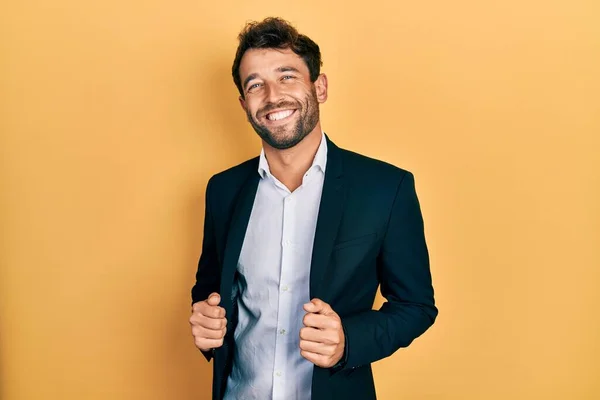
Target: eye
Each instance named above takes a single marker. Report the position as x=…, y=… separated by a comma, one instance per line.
x=287, y=77
x=253, y=86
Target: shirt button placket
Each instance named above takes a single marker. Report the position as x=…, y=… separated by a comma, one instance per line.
x=283, y=303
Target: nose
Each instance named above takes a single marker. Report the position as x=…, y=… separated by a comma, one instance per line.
x=273, y=93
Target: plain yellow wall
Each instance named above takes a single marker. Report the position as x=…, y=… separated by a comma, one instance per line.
x=115, y=114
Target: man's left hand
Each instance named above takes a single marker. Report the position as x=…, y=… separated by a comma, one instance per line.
x=322, y=338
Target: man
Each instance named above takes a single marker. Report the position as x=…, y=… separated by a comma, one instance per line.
x=297, y=241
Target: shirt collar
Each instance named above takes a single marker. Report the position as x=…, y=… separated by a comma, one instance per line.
x=320, y=160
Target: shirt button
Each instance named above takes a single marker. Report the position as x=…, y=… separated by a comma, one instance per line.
x=285, y=288
x=277, y=373
x=282, y=332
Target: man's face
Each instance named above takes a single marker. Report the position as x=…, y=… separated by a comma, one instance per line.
x=281, y=102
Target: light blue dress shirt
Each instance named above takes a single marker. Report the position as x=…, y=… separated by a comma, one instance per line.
x=273, y=285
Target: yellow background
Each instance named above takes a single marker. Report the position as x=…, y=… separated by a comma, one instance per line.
x=116, y=113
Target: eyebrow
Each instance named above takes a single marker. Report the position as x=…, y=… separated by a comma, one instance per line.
x=249, y=78
x=287, y=69
x=280, y=69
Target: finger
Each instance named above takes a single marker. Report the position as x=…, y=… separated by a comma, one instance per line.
x=317, y=348
x=196, y=306
x=318, y=306
x=200, y=332
x=314, y=306
x=207, y=322
x=206, y=344
x=213, y=323
x=203, y=307
x=321, y=321
x=327, y=337
x=214, y=299
x=316, y=359
x=312, y=334
x=210, y=311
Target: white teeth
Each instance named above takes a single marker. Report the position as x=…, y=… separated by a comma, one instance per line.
x=279, y=115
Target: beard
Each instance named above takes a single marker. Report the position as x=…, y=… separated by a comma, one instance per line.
x=285, y=137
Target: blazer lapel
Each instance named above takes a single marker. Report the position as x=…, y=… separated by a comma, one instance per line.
x=328, y=221
x=235, y=237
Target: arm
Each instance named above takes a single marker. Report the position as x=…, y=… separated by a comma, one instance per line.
x=209, y=272
x=403, y=265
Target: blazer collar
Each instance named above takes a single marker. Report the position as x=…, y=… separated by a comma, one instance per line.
x=331, y=210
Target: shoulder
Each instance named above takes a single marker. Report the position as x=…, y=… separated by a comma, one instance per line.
x=233, y=177
x=364, y=168
x=374, y=181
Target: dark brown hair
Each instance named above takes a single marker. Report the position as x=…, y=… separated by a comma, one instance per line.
x=276, y=33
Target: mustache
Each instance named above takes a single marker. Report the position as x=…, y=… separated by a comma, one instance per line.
x=274, y=106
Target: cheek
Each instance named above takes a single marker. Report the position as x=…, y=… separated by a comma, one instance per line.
x=252, y=108
x=307, y=95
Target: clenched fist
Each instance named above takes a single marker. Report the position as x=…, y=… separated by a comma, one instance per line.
x=322, y=339
x=208, y=323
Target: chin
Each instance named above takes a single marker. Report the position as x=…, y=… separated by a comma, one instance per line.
x=283, y=143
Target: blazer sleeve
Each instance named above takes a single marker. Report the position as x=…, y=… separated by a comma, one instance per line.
x=403, y=265
x=208, y=273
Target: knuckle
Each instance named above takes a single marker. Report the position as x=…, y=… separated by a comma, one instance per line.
x=202, y=321
x=211, y=334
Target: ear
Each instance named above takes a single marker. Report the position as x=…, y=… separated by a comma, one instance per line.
x=242, y=103
x=321, y=88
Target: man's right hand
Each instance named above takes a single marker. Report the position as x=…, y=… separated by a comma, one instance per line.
x=208, y=323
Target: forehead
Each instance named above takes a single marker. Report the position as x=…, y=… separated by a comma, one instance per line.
x=263, y=61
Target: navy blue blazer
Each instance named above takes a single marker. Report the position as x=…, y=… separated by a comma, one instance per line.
x=369, y=233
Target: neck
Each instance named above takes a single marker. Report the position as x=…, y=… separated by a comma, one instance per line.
x=290, y=165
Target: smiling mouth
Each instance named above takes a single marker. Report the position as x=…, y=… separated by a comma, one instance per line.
x=279, y=115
